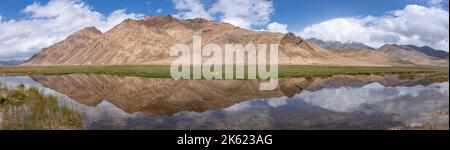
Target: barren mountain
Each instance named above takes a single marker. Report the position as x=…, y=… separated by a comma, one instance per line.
x=339, y=45
x=376, y=57
x=148, y=41
x=412, y=56
x=427, y=51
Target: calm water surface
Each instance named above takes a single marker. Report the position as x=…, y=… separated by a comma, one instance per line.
x=339, y=102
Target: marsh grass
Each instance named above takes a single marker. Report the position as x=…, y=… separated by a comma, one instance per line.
x=157, y=71
x=28, y=108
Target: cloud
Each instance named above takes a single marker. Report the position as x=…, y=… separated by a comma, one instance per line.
x=245, y=14
x=417, y=25
x=349, y=99
x=49, y=23
x=158, y=11
x=277, y=27
x=190, y=9
x=434, y=2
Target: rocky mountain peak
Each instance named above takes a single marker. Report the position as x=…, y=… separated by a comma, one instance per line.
x=88, y=30
x=423, y=50
x=292, y=38
x=339, y=45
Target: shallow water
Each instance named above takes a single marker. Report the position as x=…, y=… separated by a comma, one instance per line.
x=340, y=102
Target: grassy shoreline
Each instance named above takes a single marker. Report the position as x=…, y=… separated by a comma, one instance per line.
x=158, y=71
x=31, y=109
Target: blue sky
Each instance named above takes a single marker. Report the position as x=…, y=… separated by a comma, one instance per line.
x=373, y=22
x=295, y=13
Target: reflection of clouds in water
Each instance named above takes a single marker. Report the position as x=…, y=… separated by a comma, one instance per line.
x=416, y=109
x=410, y=105
x=13, y=81
x=106, y=115
x=244, y=115
x=344, y=99
x=272, y=102
x=349, y=99
x=238, y=107
x=276, y=102
x=407, y=104
x=441, y=87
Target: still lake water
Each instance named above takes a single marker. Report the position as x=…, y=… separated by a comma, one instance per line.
x=338, y=102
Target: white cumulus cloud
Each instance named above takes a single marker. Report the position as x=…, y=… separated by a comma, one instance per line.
x=190, y=9
x=277, y=27
x=417, y=25
x=49, y=23
x=243, y=13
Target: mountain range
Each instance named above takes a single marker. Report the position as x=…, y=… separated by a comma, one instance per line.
x=426, y=50
x=332, y=45
x=10, y=62
x=394, y=54
x=147, y=41
x=337, y=44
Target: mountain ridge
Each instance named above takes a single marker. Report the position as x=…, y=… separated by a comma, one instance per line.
x=340, y=45
x=10, y=62
x=147, y=41
x=411, y=55
x=424, y=49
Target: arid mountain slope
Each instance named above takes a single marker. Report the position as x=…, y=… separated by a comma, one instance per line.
x=395, y=55
x=376, y=57
x=427, y=51
x=412, y=56
x=339, y=45
x=148, y=41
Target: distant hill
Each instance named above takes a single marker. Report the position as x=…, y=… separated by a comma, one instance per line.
x=426, y=50
x=411, y=55
x=389, y=54
x=373, y=56
x=10, y=62
x=340, y=45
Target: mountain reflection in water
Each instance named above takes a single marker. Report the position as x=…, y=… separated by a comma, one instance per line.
x=339, y=102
